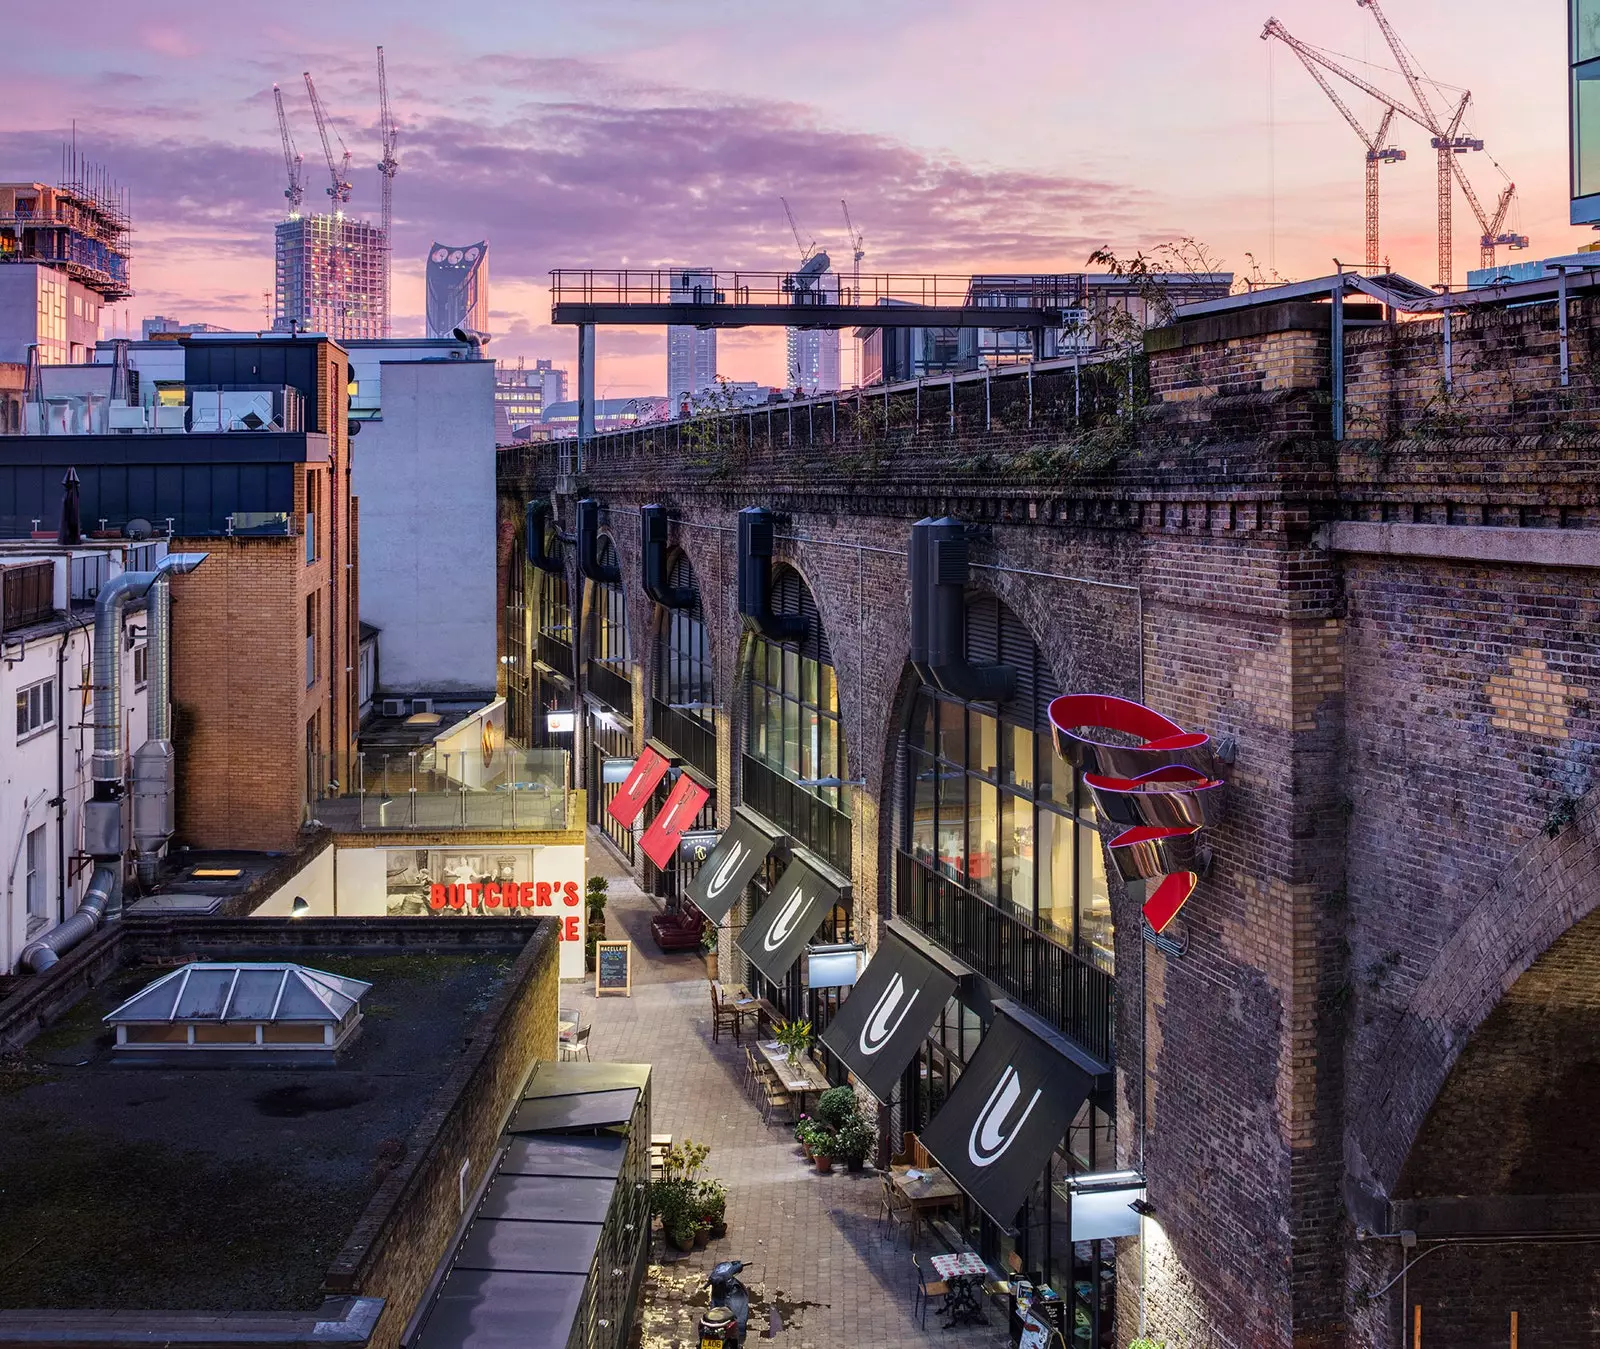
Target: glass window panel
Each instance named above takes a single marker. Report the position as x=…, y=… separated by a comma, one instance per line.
x=791, y=738
x=1016, y=852
x=983, y=744
x=971, y=1032
x=774, y=665
x=952, y=732
x=808, y=680
x=827, y=690
x=919, y=730
x=952, y=818
x=921, y=769
x=1016, y=750
x=950, y=1027
x=827, y=749
x=1094, y=901
x=1586, y=129
x=791, y=672
x=1053, y=845
x=809, y=768
x=774, y=736
x=758, y=721
x=983, y=838
x=1062, y=779
x=1585, y=30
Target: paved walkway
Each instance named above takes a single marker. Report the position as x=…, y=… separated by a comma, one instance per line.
x=811, y=1242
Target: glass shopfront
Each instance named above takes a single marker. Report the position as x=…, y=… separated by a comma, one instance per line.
x=609, y=683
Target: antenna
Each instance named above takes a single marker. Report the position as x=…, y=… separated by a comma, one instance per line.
x=387, y=167
x=292, y=160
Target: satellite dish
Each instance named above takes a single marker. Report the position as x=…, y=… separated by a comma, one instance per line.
x=138, y=528
x=815, y=265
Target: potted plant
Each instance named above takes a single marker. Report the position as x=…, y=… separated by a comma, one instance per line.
x=595, y=893
x=854, y=1140
x=802, y=1134
x=708, y=947
x=836, y=1105
x=794, y=1036
x=712, y=1197
x=672, y=1200
x=819, y=1144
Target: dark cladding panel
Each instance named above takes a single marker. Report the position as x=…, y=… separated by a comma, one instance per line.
x=551, y=1199
x=577, y=1156
x=591, y=1110
x=479, y=1309
x=529, y=1247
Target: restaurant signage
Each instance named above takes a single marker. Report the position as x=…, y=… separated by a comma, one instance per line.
x=1156, y=785
x=660, y=840
x=631, y=797
x=774, y=938
x=879, y=1027
x=1010, y=1108
x=695, y=846
x=733, y=862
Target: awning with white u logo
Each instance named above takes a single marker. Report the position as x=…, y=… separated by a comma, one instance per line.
x=774, y=938
x=732, y=864
x=1010, y=1109
x=878, y=1028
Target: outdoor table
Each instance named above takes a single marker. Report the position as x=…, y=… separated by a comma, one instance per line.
x=932, y=1189
x=964, y=1274
x=798, y=1079
x=567, y=1023
x=743, y=1001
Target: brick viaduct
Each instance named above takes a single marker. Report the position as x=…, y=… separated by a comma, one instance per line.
x=1388, y=1011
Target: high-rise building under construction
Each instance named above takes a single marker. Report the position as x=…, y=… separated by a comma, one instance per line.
x=458, y=289
x=331, y=277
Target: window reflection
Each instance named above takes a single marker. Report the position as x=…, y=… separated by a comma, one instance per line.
x=794, y=718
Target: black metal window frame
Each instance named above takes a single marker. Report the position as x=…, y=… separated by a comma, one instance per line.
x=609, y=622
x=553, y=614
x=519, y=671
x=794, y=728
x=987, y=802
x=682, y=715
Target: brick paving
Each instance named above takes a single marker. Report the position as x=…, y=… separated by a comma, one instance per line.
x=811, y=1242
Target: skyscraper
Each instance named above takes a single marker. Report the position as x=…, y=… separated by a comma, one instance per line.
x=458, y=289
x=691, y=352
x=330, y=277
x=813, y=365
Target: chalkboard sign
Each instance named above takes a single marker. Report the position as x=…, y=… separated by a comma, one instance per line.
x=613, y=971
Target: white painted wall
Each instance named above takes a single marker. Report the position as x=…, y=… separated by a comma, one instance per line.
x=424, y=473
x=28, y=766
x=313, y=883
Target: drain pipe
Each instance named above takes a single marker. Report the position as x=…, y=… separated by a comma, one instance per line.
x=153, y=762
x=102, y=816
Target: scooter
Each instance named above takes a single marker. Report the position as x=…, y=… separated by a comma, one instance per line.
x=727, y=1291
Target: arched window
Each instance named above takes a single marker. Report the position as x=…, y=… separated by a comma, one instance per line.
x=988, y=804
x=684, y=713
x=610, y=671
x=795, y=757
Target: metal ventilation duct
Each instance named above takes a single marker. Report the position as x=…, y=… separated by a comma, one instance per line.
x=939, y=568
x=757, y=532
x=653, y=565
x=537, y=517
x=589, y=544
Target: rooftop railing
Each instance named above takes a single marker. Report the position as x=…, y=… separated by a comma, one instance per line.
x=430, y=788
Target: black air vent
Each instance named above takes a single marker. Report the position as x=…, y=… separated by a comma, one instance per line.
x=539, y=532
x=653, y=560
x=757, y=527
x=589, y=545
x=939, y=568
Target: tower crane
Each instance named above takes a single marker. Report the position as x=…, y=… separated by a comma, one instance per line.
x=858, y=249
x=1448, y=142
x=292, y=162
x=805, y=251
x=339, y=175
x=1378, y=151
x=387, y=167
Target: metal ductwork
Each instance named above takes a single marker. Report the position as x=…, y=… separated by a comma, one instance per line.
x=589, y=544
x=653, y=565
x=103, y=833
x=537, y=515
x=939, y=567
x=757, y=533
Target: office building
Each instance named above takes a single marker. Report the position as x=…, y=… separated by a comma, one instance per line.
x=521, y=395
x=63, y=257
x=691, y=352
x=237, y=447
x=813, y=360
x=330, y=277
x=159, y=325
x=458, y=289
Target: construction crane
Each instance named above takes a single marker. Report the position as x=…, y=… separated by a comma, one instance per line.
x=1378, y=151
x=1448, y=142
x=858, y=250
x=339, y=175
x=387, y=167
x=292, y=162
x=805, y=250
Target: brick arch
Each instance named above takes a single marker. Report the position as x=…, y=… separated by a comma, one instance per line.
x=1551, y=884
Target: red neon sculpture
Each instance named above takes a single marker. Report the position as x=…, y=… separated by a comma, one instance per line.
x=1153, y=780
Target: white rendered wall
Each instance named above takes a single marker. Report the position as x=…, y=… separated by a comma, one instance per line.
x=424, y=473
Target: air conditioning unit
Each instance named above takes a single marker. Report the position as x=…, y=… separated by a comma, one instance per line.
x=395, y=707
x=421, y=705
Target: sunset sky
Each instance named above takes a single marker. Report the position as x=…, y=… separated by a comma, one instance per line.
x=966, y=137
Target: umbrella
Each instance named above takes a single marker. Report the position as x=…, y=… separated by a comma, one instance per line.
x=71, y=520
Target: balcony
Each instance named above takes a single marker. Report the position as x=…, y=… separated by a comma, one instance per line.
x=824, y=829
x=1073, y=995
x=611, y=687
x=692, y=738
x=554, y=652
x=508, y=789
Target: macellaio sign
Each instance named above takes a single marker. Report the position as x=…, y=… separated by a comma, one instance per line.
x=535, y=895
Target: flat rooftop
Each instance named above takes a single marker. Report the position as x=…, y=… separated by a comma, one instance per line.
x=199, y=1188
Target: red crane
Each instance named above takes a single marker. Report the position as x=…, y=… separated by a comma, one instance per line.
x=1377, y=150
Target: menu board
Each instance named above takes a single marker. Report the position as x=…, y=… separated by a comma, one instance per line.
x=613, y=971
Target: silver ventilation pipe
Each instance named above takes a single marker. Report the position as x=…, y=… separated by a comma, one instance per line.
x=102, y=816
x=154, y=762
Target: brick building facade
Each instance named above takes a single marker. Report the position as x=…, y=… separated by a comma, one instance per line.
x=1392, y=635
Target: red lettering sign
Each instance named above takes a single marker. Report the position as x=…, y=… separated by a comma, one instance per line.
x=631, y=797
x=525, y=894
x=569, y=929
x=436, y=899
x=660, y=840
x=569, y=894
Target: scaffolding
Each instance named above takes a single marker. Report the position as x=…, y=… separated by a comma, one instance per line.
x=79, y=228
x=330, y=277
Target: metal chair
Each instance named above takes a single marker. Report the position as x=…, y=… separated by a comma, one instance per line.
x=774, y=1097
x=752, y=1075
x=723, y=1016
x=926, y=1291
x=895, y=1210
x=578, y=1044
